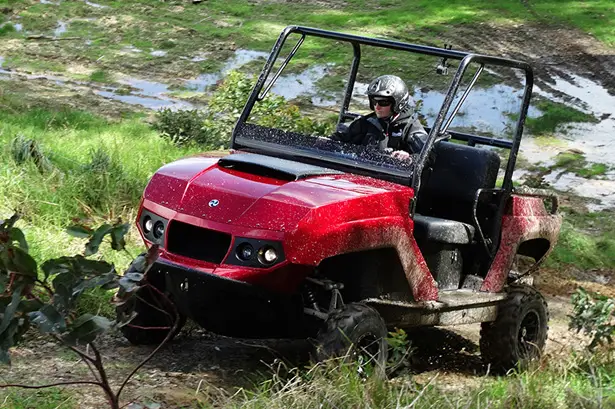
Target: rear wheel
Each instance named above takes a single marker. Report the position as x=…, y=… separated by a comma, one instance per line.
x=519, y=333
x=355, y=331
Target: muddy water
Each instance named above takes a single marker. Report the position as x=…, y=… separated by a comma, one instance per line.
x=241, y=58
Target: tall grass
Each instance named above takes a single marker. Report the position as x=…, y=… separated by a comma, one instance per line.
x=581, y=382
x=95, y=170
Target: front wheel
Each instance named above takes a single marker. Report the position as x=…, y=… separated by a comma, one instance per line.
x=154, y=318
x=355, y=331
x=519, y=333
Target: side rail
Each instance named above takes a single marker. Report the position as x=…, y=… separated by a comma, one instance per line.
x=546, y=195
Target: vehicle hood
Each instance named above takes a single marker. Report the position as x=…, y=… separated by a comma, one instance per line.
x=201, y=188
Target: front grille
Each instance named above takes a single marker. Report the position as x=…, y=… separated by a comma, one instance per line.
x=196, y=242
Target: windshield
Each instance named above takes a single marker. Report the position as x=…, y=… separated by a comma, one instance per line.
x=322, y=88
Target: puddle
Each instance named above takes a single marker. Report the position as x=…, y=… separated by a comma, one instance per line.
x=241, y=57
x=60, y=29
x=601, y=190
x=293, y=85
x=95, y=5
x=17, y=26
x=158, y=53
x=149, y=94
x=486, y=110
x=130, y=49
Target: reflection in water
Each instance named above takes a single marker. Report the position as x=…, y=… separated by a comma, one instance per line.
x=60, y=29
x=241, y=58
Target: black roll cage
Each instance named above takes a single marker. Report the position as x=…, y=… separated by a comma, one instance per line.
x=439, y=128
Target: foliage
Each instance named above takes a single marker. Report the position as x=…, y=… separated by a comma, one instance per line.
x=586, y=241
x=49, y=303
x=212, y=128
x=400, y=352
x=183, y=126
x=593, y=314
x=23, y=149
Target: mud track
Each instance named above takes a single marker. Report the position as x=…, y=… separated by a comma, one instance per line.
x=552, y=50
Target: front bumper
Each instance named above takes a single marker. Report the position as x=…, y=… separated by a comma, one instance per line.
x=230, y=307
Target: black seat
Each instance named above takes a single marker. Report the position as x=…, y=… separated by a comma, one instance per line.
x=450, y=186
x=434, y=229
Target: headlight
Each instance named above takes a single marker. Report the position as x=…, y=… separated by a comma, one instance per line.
x=159, y=229
x=267, y=255
x=255, y=253
x=152, y=226
x=245, y=251
x=148, y=224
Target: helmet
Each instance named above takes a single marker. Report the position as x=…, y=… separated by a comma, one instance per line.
x=389, y=86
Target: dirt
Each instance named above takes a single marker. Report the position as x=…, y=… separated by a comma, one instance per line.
x=200, y=366
x=551, y=49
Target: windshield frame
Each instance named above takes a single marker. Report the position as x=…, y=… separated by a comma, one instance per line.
x=437, y=130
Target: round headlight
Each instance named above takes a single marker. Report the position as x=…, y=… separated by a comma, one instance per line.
x=158, y=229
x=148, y=224
x=268, y=255
x=245, y=252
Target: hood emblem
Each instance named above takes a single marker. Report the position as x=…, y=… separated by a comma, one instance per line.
x=214, y=203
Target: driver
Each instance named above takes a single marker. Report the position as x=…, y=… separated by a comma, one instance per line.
x=392, y=126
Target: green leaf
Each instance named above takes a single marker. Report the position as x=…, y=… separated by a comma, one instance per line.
x=86, y=328
x=131, y=282
x=104, y=280
x=20, y=262
x=17, y=235
x=64, y=284
x=117, y=236
x=10, y=310
x=77, y=230
x=77, y=265
x=48, y=320
x=93, y=244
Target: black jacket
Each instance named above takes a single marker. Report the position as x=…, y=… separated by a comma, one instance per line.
x=399, y=133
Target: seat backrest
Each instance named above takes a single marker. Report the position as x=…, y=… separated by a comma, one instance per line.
x=450, y=186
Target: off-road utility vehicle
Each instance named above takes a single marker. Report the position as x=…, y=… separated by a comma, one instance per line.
x=292, y=235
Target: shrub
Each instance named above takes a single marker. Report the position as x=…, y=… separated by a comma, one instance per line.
x=593, y=314
x=212, y=128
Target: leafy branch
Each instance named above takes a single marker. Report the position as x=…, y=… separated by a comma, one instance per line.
x=48, y=303
x=593, y=314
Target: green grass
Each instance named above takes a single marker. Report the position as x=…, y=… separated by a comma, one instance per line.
x=101, y=76
x=96, y=170
x=580, y=382
x=587, y=241
x=52, y=398
x=553, y=115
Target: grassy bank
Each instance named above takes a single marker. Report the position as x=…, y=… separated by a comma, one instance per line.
x=60, y=164
x=579, y=383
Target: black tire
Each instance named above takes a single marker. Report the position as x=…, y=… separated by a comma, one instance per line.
x=519, y=333
x=136, y=331
x=355, y=331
